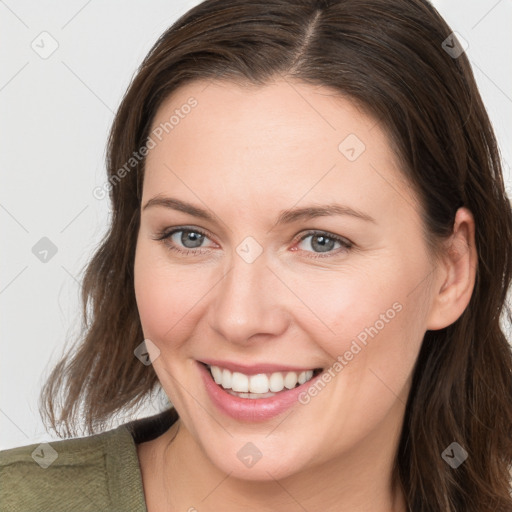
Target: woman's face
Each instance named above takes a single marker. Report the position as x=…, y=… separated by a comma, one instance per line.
x=256, y=284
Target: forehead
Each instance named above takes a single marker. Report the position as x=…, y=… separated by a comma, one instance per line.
x=255, y=115
x=281, y=140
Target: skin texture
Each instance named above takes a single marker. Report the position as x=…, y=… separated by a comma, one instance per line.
x=245, y=154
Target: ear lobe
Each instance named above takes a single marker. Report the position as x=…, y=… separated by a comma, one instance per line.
x=456, y=273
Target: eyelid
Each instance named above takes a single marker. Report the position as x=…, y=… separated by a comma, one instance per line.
x=173, y=229
x=346, y=244
x=328, y=234
x=165, y=234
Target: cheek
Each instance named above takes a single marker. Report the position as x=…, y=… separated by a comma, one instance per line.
x=165, y=297
x=368, y=317
x=343, y=303
x=375, y=332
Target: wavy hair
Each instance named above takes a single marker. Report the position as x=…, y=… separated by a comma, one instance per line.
x=387, y=56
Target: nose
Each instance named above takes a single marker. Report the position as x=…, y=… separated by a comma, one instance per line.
x=249, y=302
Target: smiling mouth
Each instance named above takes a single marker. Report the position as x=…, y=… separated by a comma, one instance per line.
x=262, y=385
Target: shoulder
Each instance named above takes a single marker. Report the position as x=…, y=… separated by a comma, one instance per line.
x=98, y=472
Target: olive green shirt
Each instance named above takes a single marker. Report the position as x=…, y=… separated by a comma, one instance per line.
x=98, y=473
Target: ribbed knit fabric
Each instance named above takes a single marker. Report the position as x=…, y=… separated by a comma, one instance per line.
x=98, y=473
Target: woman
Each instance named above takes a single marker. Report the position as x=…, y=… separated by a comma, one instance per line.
x=310, y=254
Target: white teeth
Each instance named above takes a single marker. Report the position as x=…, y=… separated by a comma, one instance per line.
x=239, y=382
x=302, y=377
x=252, y=396
x=226, y=379
x=217, y=374
x=290, y=380
x=276, y=382
x=260, y=383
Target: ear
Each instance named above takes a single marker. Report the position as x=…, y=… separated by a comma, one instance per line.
x=456, y=273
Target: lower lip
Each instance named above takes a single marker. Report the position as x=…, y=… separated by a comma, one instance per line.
x=251, y=409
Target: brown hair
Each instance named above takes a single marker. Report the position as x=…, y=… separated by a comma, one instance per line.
x=387, y=56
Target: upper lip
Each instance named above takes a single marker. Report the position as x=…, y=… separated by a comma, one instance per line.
x=253, y=369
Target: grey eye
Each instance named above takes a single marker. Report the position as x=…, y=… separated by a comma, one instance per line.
x=320, y=242
x=189, y=238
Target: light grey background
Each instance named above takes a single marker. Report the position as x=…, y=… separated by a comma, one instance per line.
x=55, y=116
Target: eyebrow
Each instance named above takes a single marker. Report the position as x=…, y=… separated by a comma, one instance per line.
x=285, y=216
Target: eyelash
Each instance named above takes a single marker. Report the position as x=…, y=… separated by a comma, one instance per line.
x=164, y=236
